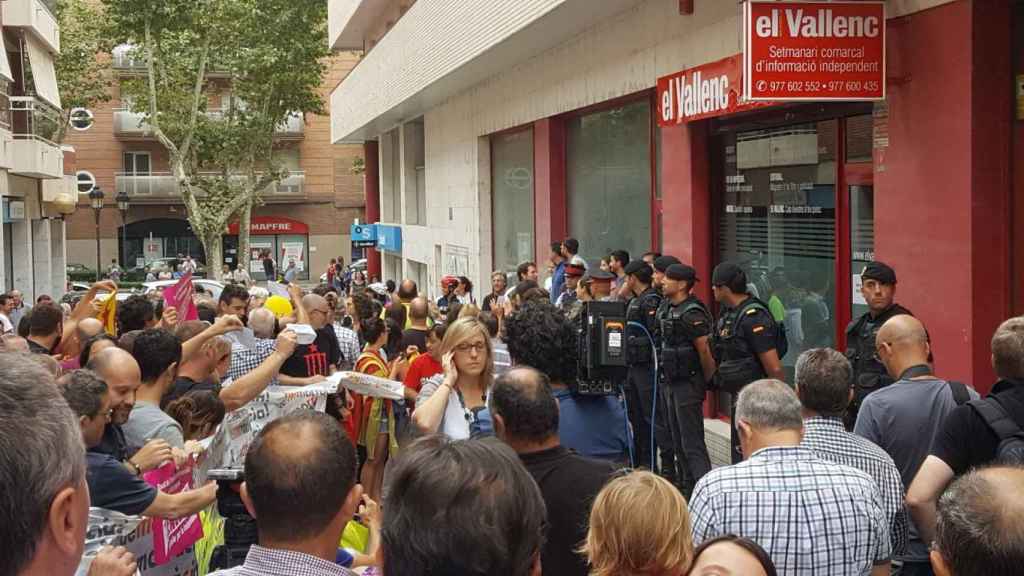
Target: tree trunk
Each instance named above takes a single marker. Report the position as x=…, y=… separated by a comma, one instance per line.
x=214, y=246
x=244, y=226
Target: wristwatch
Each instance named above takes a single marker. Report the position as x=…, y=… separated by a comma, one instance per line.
x=134, y=466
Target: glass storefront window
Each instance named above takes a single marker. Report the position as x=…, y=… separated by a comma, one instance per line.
x=778, y=221
x=512, y=198
x=608, y=166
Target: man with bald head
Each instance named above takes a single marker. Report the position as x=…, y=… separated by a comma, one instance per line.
x=979, y=531
x=416, y=333
x=312, y=362
x=300, y=486
x=121, y=373
x=905, y=417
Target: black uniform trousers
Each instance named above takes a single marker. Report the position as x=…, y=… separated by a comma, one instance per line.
x=685, y=415
x=640, y=403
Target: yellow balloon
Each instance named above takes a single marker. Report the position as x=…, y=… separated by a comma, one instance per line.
x=279, y=305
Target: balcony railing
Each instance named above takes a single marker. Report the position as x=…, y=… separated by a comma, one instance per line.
x=126, y=58
x=132, y=124
x=162, y=185
x=31, y=117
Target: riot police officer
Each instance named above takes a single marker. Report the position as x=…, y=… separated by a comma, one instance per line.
x=661, y=263
x=684, y=327
x=747, y=338
x=640, y=389
x=878, y=286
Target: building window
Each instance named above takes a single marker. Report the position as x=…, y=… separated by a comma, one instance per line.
x=414, y=166
x=81, y=118
x=512, y=198
x=86, y=181
x=608, y=166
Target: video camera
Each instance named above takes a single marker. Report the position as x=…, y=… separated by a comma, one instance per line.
x=602, y=348
x=240, y=531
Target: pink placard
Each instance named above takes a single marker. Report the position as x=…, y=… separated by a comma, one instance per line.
x=173, y=537
x=180, y=297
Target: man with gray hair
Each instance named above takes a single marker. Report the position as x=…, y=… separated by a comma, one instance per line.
x=979, y=532
x=262, y=321
x=823, y=384
x=44, y=510
x=810, y=515
x=979, y=433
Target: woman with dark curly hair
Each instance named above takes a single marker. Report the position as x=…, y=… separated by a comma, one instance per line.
x=731, y=555
x=539, y=335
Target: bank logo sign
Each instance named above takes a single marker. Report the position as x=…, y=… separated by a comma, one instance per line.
x=798, y=51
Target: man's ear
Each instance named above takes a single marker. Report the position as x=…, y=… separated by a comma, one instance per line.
x=499, y=425
x=66, y=524
x=351, y=504
x=939, y=564
x=247, y=500
x=535, y=569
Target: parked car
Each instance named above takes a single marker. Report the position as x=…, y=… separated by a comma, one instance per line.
x=79, y=270
x=168, y=265
x=212, y=287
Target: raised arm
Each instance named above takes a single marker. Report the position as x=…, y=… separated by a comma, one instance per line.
x=248, y=387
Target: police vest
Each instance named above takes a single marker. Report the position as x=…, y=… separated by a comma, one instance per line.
x=738, y=365
x=679, y=359
x=869, y=374
x=641, y=310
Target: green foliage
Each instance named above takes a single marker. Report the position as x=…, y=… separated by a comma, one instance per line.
x=266, y=56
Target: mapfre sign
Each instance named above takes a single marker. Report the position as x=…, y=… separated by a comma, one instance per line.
x=706, y=91
x=814, y=50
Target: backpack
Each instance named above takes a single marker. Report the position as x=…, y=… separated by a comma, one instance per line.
x=781, y=340
x=1011, y=437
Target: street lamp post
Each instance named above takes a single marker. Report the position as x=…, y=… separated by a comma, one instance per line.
x=123, y=201
x=96, y=200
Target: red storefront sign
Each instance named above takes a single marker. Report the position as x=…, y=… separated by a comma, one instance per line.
x=713, y=89
x=270, y=226
x=814, y=50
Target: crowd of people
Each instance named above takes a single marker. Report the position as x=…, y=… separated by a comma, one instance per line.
x=493, y=462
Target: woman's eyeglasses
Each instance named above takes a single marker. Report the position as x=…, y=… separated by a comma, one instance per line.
x=467, y=346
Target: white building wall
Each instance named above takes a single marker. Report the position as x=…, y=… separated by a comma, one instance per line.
x=617, y=57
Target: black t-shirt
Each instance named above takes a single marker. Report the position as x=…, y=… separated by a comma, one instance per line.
x=568, y=483
x=183, y=385
x=415, y=337
x=113, y=443
x=965, y=441
x=316, y=358
x=114, y=487
x=38, y=348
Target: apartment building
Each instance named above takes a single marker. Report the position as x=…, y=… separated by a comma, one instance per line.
x=36, y=193
x=306, y=215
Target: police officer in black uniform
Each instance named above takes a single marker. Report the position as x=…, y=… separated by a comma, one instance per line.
x=661, y=264
x=746, y=338
x=640, y=394
x=878, y=286
x=684, y=326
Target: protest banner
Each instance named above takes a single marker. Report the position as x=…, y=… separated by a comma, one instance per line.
x=172, y=537
x=179, y=296
x=109, y=528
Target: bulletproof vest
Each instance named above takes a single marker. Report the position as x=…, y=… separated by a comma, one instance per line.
x=869, y=374
x=641, y=310
x=679, y=358
x=738, y=365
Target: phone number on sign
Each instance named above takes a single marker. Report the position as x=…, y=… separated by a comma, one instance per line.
x=817, y=86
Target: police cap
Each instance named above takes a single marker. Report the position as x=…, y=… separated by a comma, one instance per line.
x=574, y=270
x=661, y=263
x=598, y=276
x=879, y=271
x=726, y=273
x=636, y=266
x=681, y=272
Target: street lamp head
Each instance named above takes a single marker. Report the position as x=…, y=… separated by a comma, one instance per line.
x=122, y=199
x=96, y=198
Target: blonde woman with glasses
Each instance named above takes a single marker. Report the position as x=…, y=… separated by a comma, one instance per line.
x=450, y=402
x=639, y=524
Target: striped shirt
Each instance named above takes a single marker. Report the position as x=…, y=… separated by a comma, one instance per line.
x=811, y=516
x=276, y=562
x=830, y=441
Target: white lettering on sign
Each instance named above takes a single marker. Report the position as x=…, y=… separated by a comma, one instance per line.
x=698, y=96
x=824, y=24
x=271, y=227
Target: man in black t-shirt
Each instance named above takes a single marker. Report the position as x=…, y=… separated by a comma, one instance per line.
x=965, y=440
x=416, y=334
x=322, y=357
x=525, y=415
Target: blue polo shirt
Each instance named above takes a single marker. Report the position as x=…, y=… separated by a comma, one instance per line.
x=594, y=426
x=557, y=282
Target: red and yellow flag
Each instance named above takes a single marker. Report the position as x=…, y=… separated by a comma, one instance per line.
x=108, y=314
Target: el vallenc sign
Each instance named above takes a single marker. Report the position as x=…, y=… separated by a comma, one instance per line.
x=813, y=50
x=713, y=89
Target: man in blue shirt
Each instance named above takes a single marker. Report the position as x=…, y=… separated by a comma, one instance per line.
x=558, y=274
x=539, y=335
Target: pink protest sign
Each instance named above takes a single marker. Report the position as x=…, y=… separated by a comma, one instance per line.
x=171, y=538
x=180, y=297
